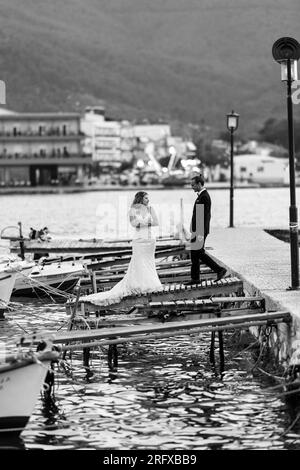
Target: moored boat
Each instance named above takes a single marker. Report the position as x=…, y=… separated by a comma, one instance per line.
x=62, y=276
x=175, y=178
x=21, y=380
x=7, y=281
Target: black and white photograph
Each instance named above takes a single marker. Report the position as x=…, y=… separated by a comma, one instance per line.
x=149, y=234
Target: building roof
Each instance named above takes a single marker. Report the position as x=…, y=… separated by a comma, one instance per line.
x=260, y=157
x=38, y=116
x=6, y=112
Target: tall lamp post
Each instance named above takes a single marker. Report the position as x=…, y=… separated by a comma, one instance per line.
x=232, y=125
x=286, y=51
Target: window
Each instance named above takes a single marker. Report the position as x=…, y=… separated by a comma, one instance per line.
x=260, y=169
x=243, y=169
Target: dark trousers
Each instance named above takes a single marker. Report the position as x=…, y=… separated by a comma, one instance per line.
x=201, y=255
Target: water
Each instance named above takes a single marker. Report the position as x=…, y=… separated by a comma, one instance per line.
x=105, y=213
x=164, y=394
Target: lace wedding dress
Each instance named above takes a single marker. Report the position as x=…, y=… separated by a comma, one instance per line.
x=141, y=276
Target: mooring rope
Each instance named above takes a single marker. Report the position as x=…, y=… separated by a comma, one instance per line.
x=48, y=289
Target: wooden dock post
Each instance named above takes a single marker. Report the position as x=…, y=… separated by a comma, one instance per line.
x=221, y=352
x=212, y=348
x=2, y=310
x=94, y=282
x=86, y=360
x=112, y=356
x=22, y=246
x=73, y=315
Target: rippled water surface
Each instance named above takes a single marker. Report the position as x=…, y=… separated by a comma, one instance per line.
x=105, y=213
x=163, y=395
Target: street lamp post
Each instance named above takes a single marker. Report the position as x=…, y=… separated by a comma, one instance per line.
x=232, y=125
x=286, y=51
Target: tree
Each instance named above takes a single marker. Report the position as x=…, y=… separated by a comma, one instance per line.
x=276, y=132
x=211, y=156
x=126, y=165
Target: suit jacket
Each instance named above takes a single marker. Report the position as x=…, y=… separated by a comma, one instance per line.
x=201, y=216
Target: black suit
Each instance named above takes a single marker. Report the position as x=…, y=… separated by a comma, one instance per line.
x=200, y=228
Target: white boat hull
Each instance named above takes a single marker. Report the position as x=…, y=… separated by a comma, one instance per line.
x=7, y=282
x=63, y=278
x=20, y=385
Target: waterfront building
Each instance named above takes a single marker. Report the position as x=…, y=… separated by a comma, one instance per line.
x=112, y=143
x=184, y=149
x=153, y=132
x=103, y=139
x=262, y=169
x=41, y=149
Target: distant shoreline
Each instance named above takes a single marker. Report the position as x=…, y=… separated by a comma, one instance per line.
x=84, y=189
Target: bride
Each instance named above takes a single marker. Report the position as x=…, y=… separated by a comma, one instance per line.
x=141, y=276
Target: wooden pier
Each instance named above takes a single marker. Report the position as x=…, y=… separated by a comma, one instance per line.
x=170, y=292
x=168, y=273
x=136, y=329
x=177, y=309
x=94, y=245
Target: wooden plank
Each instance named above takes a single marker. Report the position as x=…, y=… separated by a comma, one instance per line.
x=112, y=275
x=236, y=299
x=91, y=246
x=178, y=304
x=198, y=292
x=196, y=310
x=102, y=333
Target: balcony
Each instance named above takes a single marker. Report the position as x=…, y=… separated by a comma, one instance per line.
x=45, y=159
x=50, y=135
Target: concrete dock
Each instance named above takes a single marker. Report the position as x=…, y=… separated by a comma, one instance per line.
x=263, y=263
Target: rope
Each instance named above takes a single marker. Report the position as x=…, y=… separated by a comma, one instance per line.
x=48, y=289
x=266, y=335
x=276, y=377
x=289, y=392
x=236, y=354
x=291, y=425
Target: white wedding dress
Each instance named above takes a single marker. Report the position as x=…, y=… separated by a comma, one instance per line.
x=141, y=276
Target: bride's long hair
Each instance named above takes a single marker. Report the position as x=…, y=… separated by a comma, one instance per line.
x=138, y=198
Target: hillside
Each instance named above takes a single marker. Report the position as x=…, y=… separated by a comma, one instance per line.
x=178, y=59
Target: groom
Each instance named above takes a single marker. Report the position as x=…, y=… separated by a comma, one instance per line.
x=199, y=230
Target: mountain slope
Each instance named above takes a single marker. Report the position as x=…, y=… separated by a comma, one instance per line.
x=179, y=59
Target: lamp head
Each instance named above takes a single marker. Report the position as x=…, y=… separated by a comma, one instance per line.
x=286, y=51
x=286, y=48
x=232, y=121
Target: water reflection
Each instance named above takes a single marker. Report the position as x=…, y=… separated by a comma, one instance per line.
x=12, y=443
x=65, y=212
x=162, y=394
